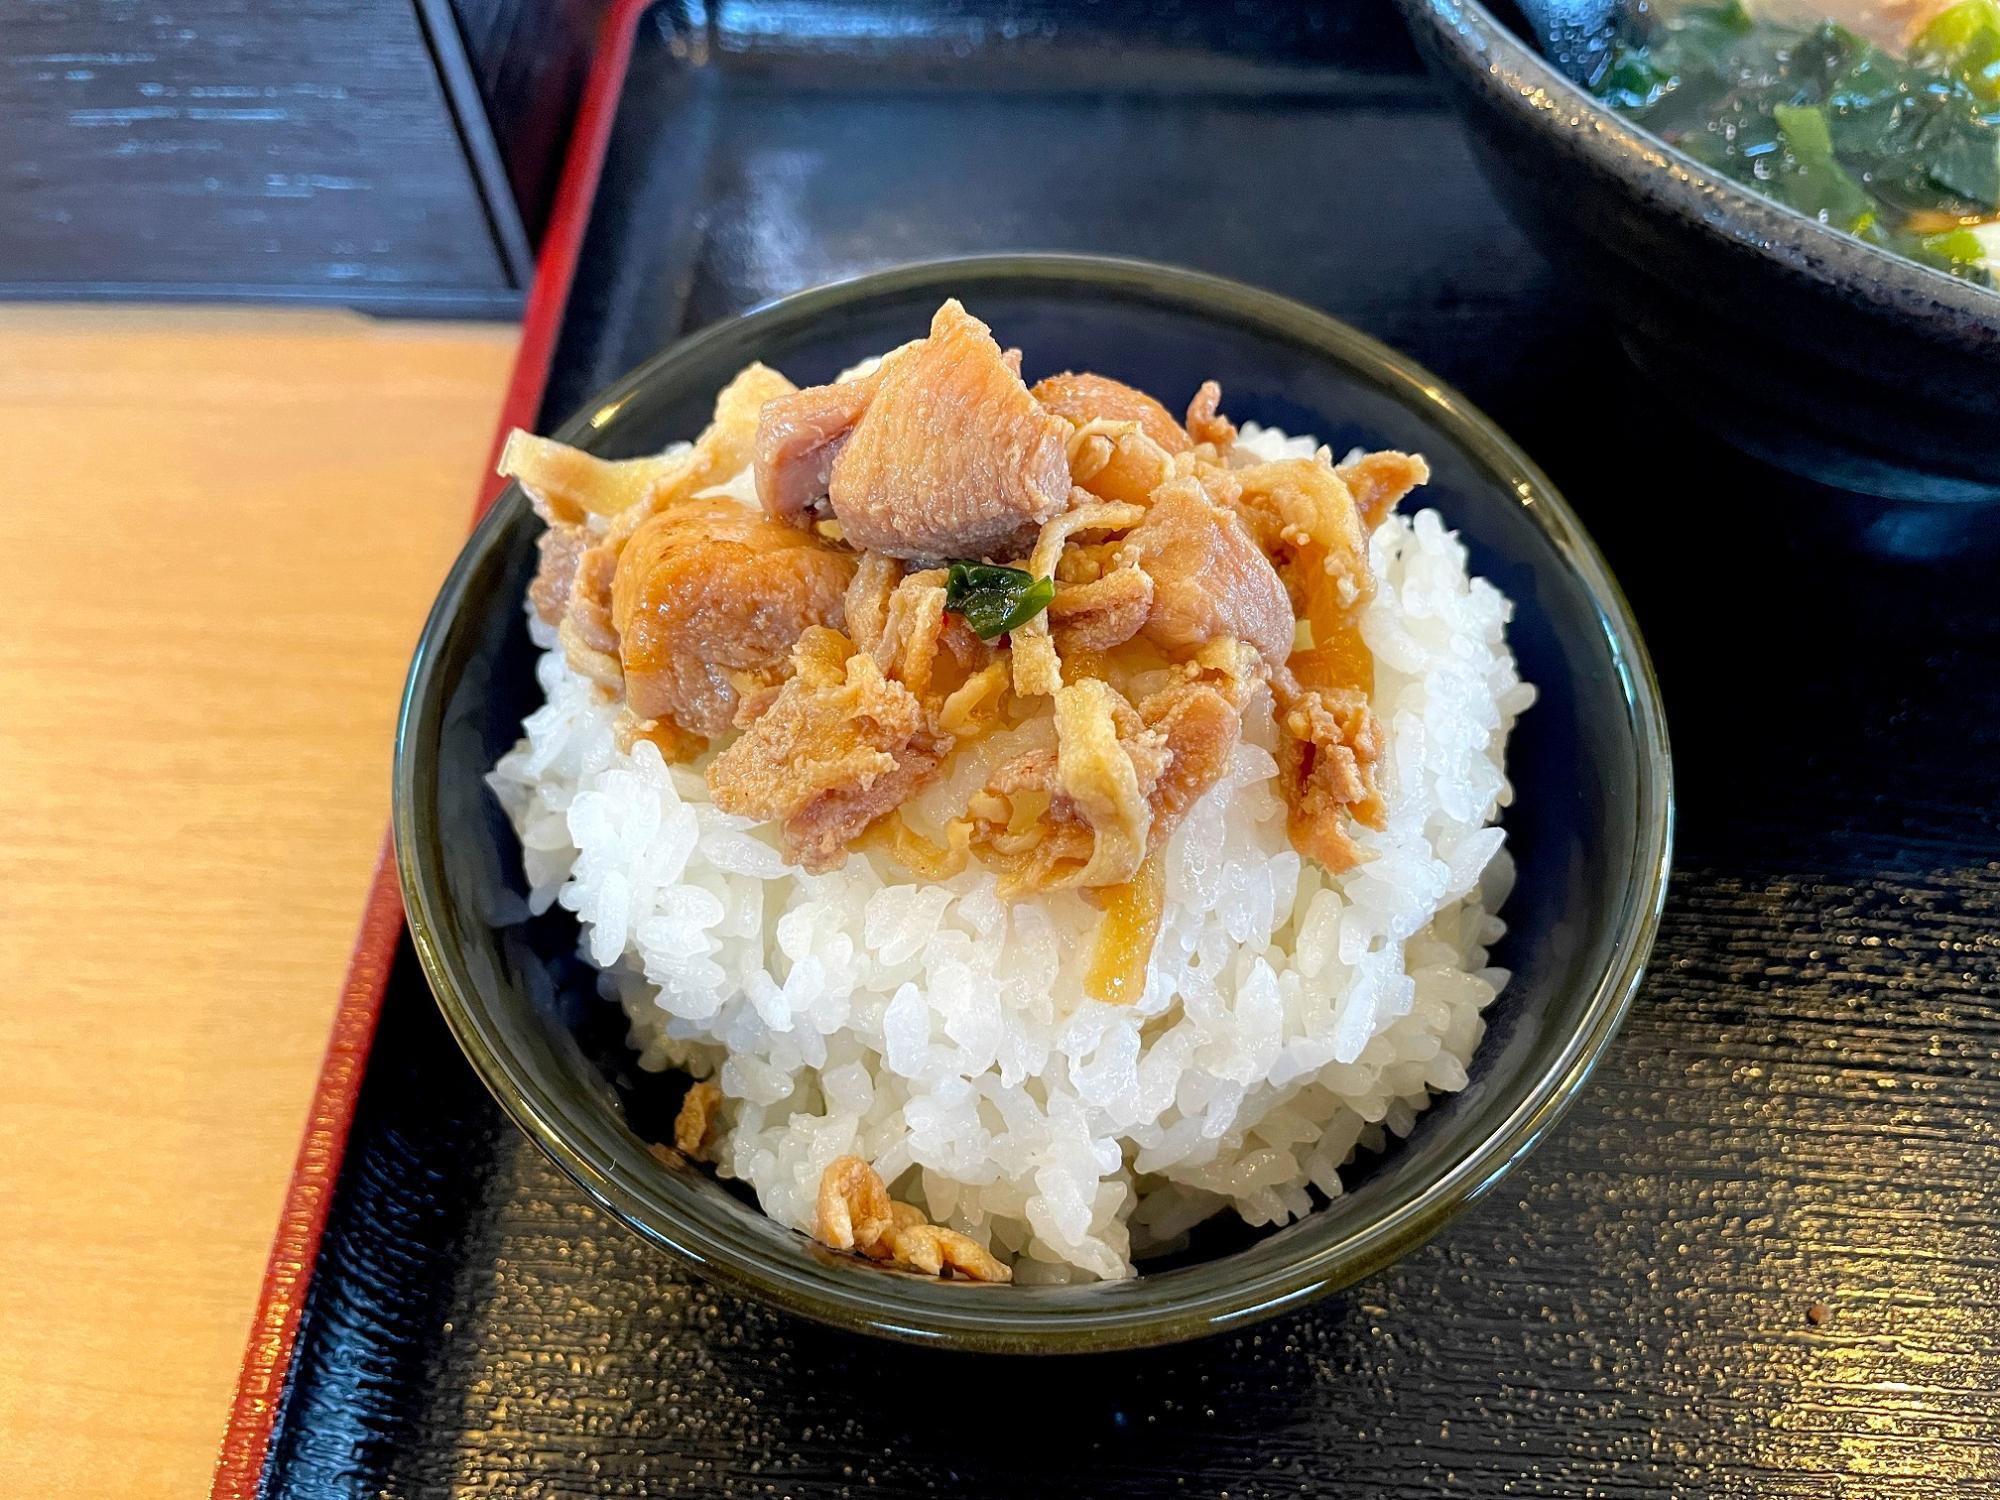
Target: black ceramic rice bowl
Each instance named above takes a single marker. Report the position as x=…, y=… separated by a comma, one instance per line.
x=1590, y=826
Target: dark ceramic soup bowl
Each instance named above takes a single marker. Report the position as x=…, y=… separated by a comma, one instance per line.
x=1799, y=344
x=1590, y=827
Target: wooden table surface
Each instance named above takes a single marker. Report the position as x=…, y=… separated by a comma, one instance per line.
x=219, y=536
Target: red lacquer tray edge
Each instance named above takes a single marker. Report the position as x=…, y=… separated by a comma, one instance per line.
x=267, y=1355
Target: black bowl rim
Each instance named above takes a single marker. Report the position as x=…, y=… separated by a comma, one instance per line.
x=1020, y=1320
x=1866, y=273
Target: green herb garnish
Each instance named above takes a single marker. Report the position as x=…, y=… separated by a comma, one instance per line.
x=995, y=600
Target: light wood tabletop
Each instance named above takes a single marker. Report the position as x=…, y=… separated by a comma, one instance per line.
x=218, y=536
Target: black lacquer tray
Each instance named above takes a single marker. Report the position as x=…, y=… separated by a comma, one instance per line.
x=1757, y=1259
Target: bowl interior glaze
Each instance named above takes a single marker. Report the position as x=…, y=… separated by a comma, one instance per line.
x=1590, y=827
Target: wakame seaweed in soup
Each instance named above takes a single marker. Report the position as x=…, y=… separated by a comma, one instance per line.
x=1901, y=151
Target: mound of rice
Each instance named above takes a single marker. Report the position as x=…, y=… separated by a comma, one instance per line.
x=1289, y=1018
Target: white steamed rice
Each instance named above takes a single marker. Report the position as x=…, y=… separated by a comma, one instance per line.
x=1289, y=1018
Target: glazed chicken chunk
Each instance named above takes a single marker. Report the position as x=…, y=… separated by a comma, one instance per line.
x=708, y=593
x=946, y=454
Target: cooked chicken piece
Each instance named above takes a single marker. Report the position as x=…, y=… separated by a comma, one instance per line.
x=566, y=483
x=1122, y=441
x=798, y=438
x=560, y=549
x=1200, y=727
x=708, y=588
x=1377, y=481
x=1329, y=749
x=572, y=586
x=1205, y=421
x=953, y=457
x=589, y=639
x=1209, y=577
x=1087, y=398
x=839, y=746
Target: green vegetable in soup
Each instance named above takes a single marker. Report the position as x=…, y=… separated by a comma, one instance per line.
x=1901, y=151
x=1965, y=43
x=995, y=600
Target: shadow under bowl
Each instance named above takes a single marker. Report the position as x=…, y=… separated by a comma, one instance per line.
x=1801, y=345
x=1590, y=828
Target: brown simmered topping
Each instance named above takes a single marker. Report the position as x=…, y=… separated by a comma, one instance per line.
x=695, y=1121
x=855, y=1213
x=840, y=745
x=1210, y=581
x=1086, y=398
x=953, y=457
x=709, y=597
x=938, y=553
x=940, y=452
x=1205, y=421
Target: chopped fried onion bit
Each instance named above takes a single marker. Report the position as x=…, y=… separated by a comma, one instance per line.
x=853, y=1206
x=565, y=484
x=855, y=1213
x=696, y=1120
